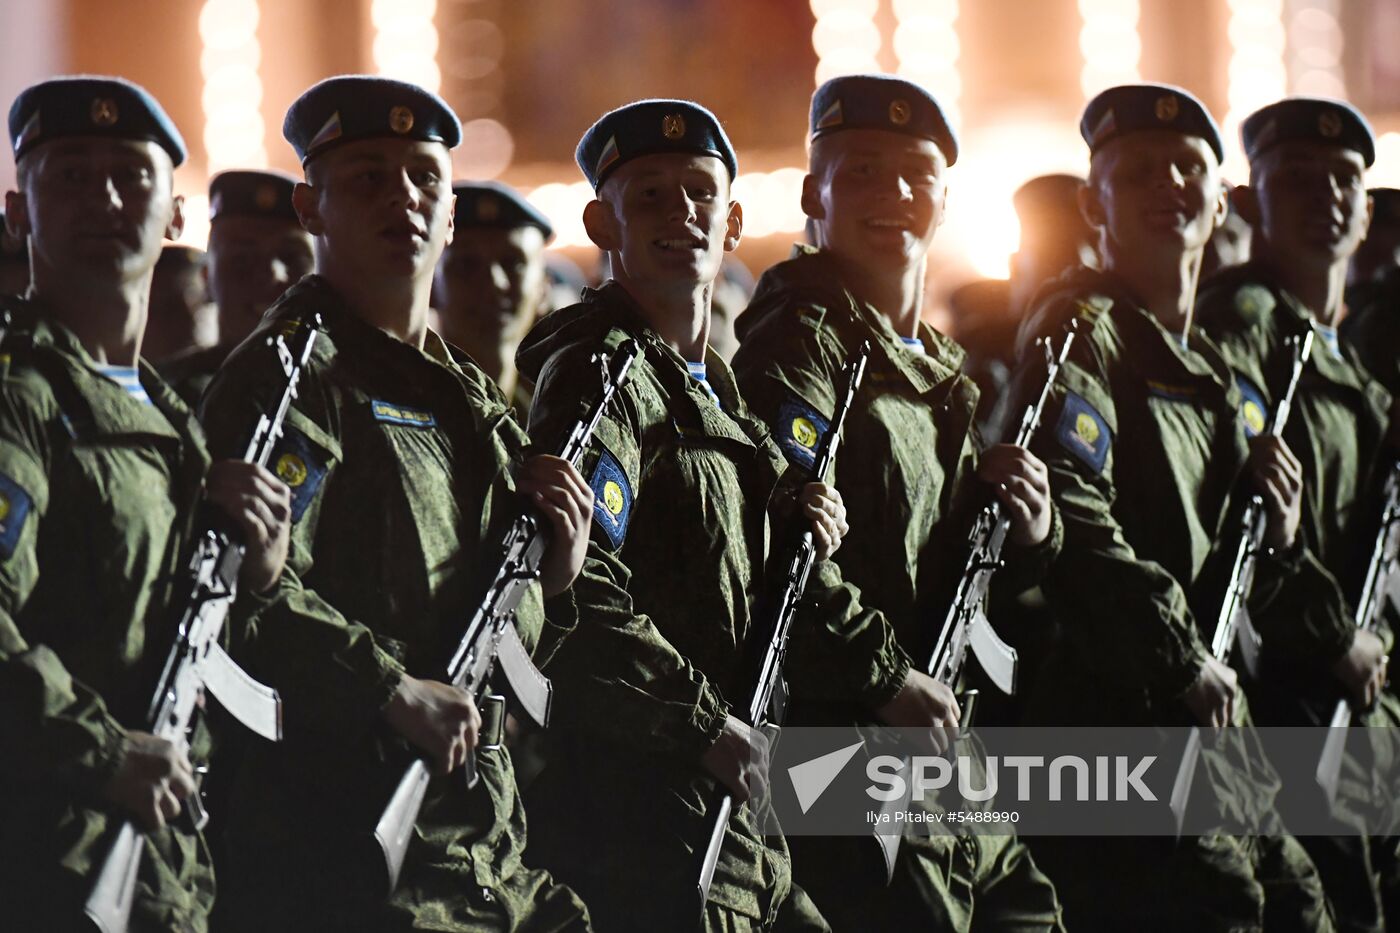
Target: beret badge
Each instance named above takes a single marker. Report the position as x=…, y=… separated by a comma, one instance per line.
x=673, y=126
x=900, y=112
x=1166, y=108
x=400, y=119
x=103, y=111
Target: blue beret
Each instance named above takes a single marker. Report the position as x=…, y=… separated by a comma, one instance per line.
x=1316, y=118
x=349, y=108
x=491, y=204
x=880, y=102
x=648, y=127
x=90, y=105
x=1132, y=108
x=245, y=193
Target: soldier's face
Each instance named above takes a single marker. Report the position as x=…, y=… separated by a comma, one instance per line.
x=381, y=206
x=1312, y=200
x=1156, y=189
x=98, y=205
x=252, y=261
x=877, y=197
x=491, y=281
x=671, y=219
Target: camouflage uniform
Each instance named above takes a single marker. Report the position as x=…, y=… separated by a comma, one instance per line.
x=1336, y=427
x=98, y=491
x=1372, y=328
x=398, y=463
x=1145, y=444
x=644, y=683
x=907, y=474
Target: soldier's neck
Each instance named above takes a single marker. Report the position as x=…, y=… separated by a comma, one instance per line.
x=900, y=298
x=397, y=306
x=108, y=317
x=1320, y=288
x=1165, y=283
x=680, y=314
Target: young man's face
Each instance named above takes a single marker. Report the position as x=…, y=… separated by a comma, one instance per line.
x=97, y=206
x=380, y=206
x=877, y=197
x=252, y=261
x=491, y=281
x=670, y=219
x=1155, y=190
x=1311, y=200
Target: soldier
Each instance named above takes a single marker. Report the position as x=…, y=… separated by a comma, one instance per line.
x=1146, y=446
x=683, y=478
x=1229, y=244
x=14, y=261
x=400, y=456
x=182, y=318
x=491, y=283
x=910, y=467
x=1307, y=201
x=100, y=465
x=1372, y=323
x=257, y=248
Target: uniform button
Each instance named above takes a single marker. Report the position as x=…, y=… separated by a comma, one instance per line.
x=487, y=896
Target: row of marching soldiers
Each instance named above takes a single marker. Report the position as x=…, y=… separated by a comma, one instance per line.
x=371, y=522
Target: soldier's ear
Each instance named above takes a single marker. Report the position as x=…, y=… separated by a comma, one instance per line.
x=1222, y=207
x=177, y=218
x=308, y=208
x=942, y=206
x=1092, y=207
x=812, y=198
x=451, y=221
x=600, y=221
x=734, y=227
x=16, y=214
x=1246, y=201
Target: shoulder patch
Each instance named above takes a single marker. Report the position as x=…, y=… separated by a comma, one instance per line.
x=1254, y=412
x=612, y=498
x=401, y=414
x=1172, y=392
x=1253, y=301
x=1083, y=432
x=800, y=430
x=15, y=506
x=302, y=465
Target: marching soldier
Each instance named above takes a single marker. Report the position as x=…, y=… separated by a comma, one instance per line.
x=491, y=283
x=257, y=249
x=406, y=468
x=100, y=468
x=684, y=477
x=181, y=318
x=1372, y=323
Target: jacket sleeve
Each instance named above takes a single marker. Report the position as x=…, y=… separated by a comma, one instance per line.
x=331, y=674
x=55, y=727
x=615, y=672
x=841, y=649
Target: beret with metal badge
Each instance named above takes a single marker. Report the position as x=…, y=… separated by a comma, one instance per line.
x=1134, y=108
x=492, y=204
x=349, y=108
x=90, y=105
x=881, y=102
x=1308, y=118
x=649, y=127
x=247, y=193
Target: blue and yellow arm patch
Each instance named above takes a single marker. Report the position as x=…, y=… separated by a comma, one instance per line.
x=15, y=506
x=799, y=431
x=1254, y=411
x=302, y=465
x=1084, y=432
x=390, y=413
x=612, y=499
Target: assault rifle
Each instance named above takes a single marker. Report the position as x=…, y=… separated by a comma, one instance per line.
x=197, y=662
x=490, y=637
x=769, y=648
x=1233, y=626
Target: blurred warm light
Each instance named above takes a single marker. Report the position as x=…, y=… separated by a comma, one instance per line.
x=1109, y=41
x=232, y=94
x=1258, y=71
x=1315, y=49
x=196, y=212
x=486, y=149
x=926, y=44
x=563, y=204
x=845, y=37
x=772, y=202
x=1386, y=172
x=406, y=41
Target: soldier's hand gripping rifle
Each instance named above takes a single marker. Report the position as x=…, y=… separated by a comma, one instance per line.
x=490, y=637
x=966, y=624
x=197, y=661
x=1382, y=583
x=768, y=647
x=1233, y=627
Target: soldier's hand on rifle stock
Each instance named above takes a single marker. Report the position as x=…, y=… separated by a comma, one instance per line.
x=436, y=718
x=924, y=703
x=153, y=777
x=739, y=759
x=824, y=509
x=1362, y=670
x=1022, y=483
x=260, y=506
x=1278, y=478
x=566, y=502
x=1212, y=697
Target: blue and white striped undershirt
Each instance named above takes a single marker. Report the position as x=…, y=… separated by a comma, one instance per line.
x=697, y=371
x=128, y=377
x=1329, y=337
x=914, y=343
